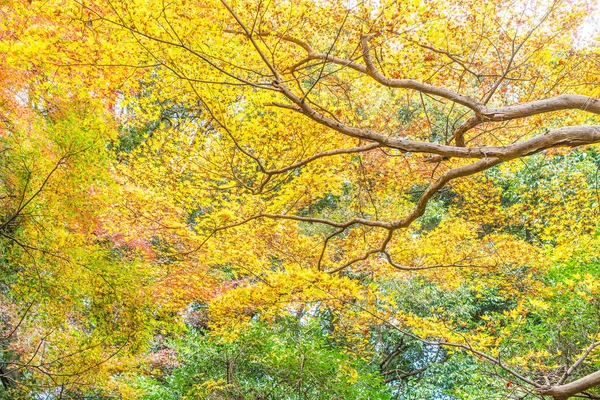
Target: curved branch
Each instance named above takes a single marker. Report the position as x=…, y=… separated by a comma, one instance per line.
x=323, y=221
x=561, y=137
x=578, y=362
x=327, y=153
x=489, y=358
x=413, y=84
x=419, y=210
x=459, y=133
x=446, y=177
x=563, y=392
x=558, y=103
x=467, y=347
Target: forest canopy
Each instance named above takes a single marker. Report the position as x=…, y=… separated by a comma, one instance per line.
x=299, y=199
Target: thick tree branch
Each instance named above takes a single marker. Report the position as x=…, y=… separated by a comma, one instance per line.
x=413, y=84
x=563, y=392
x=558, y=103
x=561, y=137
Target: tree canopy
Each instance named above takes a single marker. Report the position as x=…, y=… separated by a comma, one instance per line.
x=299, y=199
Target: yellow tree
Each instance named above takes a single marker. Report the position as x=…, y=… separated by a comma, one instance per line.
x=329, y=133
x=82, y=288
x=330, y=126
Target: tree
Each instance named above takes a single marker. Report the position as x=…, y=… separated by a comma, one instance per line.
x=364, y=147
x=81, y=291
x=269, y=361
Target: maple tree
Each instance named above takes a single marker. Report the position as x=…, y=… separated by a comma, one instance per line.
x=398, y=174
x=82, y=291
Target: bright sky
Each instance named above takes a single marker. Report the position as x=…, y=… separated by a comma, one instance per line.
x=591, y=29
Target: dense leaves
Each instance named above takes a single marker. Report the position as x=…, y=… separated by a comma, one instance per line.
x=283, y=360
x=299, y=199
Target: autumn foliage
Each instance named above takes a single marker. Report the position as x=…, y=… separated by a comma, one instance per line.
x=299, y=199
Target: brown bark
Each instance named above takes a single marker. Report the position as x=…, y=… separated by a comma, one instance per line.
x=563, y=392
